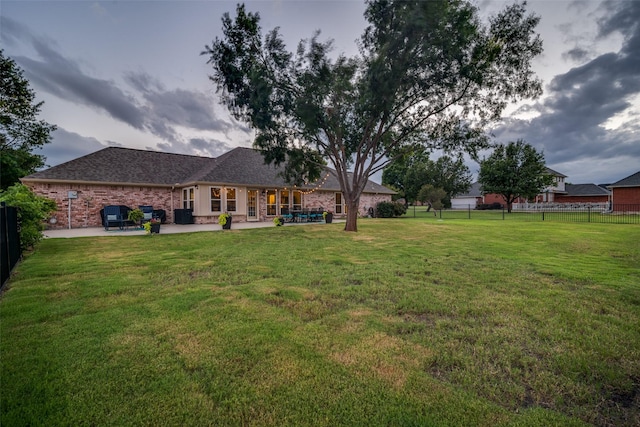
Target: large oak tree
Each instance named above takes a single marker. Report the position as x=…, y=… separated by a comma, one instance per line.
x=429, y=72
x=20, y=130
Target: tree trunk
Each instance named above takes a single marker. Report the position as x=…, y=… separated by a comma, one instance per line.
x=352, y=215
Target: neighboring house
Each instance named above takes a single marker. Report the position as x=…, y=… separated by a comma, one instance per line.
x=583, y=193
x=238, y=182
x=557, y=189
x=626, y=192
x=475, y=196
x=471, y=198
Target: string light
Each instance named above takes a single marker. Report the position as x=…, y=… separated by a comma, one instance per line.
x=318, y=186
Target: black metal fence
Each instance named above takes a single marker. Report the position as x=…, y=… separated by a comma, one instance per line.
x=595, y=213
x=9, y=241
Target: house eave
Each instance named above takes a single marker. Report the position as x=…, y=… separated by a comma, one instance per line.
x=83, y=182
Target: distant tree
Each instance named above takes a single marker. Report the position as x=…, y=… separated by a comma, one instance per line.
x=452, y=175
x=395, y=172
x=514, y=170
x=408, y=176
x=32, y=211
x=20, y=130
x=429, y=73
x=432, y=197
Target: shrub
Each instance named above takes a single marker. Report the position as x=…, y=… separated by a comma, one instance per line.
x=390, y=209
x=399, y=209
x=32, y=211
x=489, y=206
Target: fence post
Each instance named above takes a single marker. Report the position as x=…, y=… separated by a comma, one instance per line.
x=469, y=210
x=589, y=214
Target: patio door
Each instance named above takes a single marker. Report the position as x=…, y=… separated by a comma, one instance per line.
x=252, y=205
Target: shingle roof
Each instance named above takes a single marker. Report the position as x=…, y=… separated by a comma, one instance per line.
x=125, y=165
x=554, y=173
x=585, y=190
x=474, y=191
x=630, y=181
x=241, y=166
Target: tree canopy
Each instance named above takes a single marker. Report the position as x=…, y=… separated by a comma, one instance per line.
x=429, y=73
x=20, y=130
x=514, y=170
x=408, y=176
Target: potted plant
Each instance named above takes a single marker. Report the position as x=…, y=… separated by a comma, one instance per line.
x=225, y=221
x=152, y=226
x=328, y=216
x=135, y=216
x=278, y=221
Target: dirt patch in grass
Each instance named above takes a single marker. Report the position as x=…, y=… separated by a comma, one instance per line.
x=390, y=359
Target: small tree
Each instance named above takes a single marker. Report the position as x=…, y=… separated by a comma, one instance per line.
x=20, y=131
x=514, y=170
x=432, y=197
x=32, y=211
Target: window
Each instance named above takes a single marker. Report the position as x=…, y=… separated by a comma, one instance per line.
x=271, y=202
x=338, y=203
x=231, y=199
x=297, y=200
x=188, y=195
x=216, y=199
x=284, y=201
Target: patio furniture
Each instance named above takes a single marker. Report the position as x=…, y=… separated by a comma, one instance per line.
x=303, y=216
x=286, y=215
x=147, y=211
x=113, y=217
x=316, y=215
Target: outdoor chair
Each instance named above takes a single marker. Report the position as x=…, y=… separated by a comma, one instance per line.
x=303, y=216
x=286, y=215
x=147, y=211
x=113, y=217
x=315, y=215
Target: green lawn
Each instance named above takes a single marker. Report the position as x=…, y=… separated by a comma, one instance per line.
x=407, y=322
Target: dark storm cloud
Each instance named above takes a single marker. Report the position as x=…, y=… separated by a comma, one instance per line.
x=180, y=107
x=572, y=121
x=63, y=78
x=199, y=146
x=67, y=145
x=149, y=107
x=576, y=54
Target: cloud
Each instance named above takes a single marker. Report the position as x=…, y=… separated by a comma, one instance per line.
x=66, y=146
x=576, y=54
x=63, y=78
x=199, y=146
x=178, y=107
x=591, y=113
x=174, y=116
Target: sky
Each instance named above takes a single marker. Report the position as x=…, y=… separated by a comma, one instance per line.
x=130, y=74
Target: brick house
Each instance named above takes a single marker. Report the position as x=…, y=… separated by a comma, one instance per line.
x=238, y=182
x=583, y=193
x=549, y=194
x=626, y=192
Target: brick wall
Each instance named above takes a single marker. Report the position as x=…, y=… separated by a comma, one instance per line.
x=626, y=195
x=326, y=201
x=581, y=199
x=85, y=210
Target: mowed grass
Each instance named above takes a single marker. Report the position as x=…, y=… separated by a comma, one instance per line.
x=407, y=322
